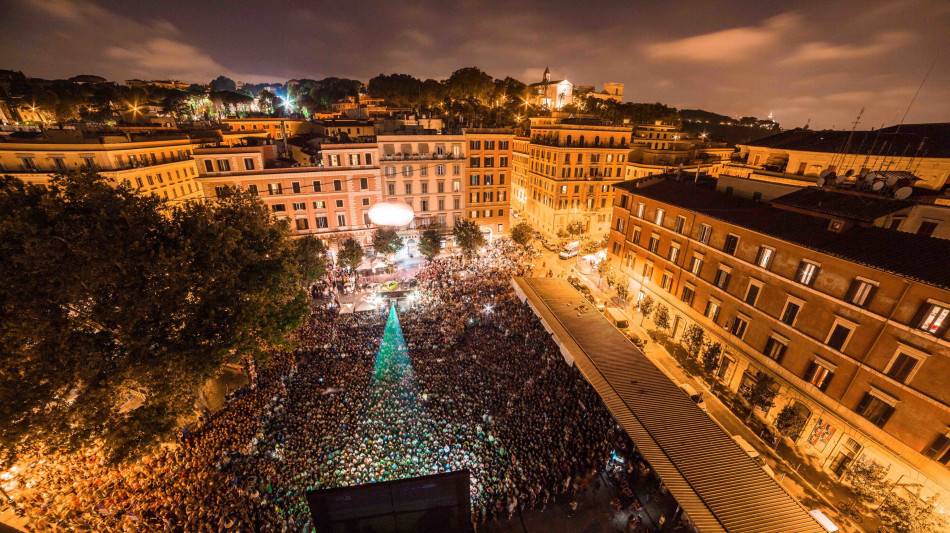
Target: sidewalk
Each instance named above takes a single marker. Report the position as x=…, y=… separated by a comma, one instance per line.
x=812, y=487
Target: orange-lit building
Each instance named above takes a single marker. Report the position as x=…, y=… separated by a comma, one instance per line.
x=331, y=203
x=850, y=319
x=488, y=179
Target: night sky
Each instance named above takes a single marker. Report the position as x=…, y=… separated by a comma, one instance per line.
x=821, y=60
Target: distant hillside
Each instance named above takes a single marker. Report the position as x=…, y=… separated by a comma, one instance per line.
x=724, y=128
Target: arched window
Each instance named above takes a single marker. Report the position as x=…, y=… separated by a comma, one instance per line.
x=597, y=140
x=581, y=141
x=568, y=140
x=611, y=141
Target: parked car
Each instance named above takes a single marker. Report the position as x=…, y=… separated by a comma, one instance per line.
x=754, y=454
x=697, y=397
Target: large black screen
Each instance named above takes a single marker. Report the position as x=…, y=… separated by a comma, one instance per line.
x=439, y=502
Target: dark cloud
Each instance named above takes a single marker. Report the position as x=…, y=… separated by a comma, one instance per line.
x=822, y=61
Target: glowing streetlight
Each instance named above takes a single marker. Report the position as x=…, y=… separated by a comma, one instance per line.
x=395, y=214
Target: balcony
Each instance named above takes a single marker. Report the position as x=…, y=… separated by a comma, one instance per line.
x=399, y=156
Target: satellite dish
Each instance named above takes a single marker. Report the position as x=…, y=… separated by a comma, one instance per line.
x=903, y=193
x=870, y=176
x=878, y=185
x=849, y=173
x=891, y=180
x=820, y=182
x=823, y=173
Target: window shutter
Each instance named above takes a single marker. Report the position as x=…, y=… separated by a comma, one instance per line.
x=915, y=322
x=828, y=378
x=943, y=329
x=885, y=416
x=863, y=404
x=810, y=373
x=849, y=296
x=801, y=270
x=870, y=296
x=937, y=445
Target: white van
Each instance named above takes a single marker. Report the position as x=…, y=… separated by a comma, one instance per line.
x=616, y=317
x=754, y=454
x=697, y=397
x=570, y=250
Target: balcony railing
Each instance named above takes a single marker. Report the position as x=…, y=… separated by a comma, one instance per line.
x=420, y=157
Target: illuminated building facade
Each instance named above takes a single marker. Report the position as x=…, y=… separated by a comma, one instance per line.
x=488, y=179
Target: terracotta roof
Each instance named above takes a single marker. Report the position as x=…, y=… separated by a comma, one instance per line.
x=922, y=259
x=849, y=206
x=921, y=140
x=716, y=483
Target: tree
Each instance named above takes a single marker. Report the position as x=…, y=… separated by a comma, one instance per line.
x=395, y=89
x=868, y=481
x=350, y=254
x=693, y=340
x=267, y=102
x=575, y=227
x=913, y=514
x=761, y=394
x=522, y=233
x=386, y=241
x=646, y=307
x=108, y=291
x=430, y=244
x=590, y=246
x=468, y=236
x=622, y=291
x=712, y=353
x=662, y=318
x=222, y=83
x=790, y=421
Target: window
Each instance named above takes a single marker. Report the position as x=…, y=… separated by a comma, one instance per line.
x=337, y=185
x=807, y=272
x=273, y=188
x=339, y=204
x=302, y=224
x=224, y=165
x=860, y=292
x=424, y=187
x=840, y=334
x=295, y=186
x=620, y=224
x=739, y=325
x=654, y=242
x=636, y=236
x=932, y=318
x=876, y=406
x=659, y=217
x=679, y=223
x=474, y=162
x=667, y=281
x=722, y=277
x=364, y=183
x=790, y=313
x=503, y=162
x=341, y=220
x=322, y=222
x=248, y=163
x=926, y=228
x=712, y=310
x=474, y=145
x=317, y=186
x=674, y=253
x=688, y=294
x=696, y=265
x=278, y=208
x=640, y=209
x=320, y=204
x=752, y=293
x=764, y=257
x=647, y=271
x=440, y=170
x=730, y=244
x=300, y=206
x=209, y=166
x=940, y=449
x=489, y=162
x=390, y=172
x=705, y=231
x=220, y=191
x=775, y=348
x=904, y=364
x=819, y=374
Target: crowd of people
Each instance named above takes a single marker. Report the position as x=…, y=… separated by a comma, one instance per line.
x=464, y=378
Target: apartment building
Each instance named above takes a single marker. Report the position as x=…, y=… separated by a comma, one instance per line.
x=564, y=171
x=331, y=203
x=488, y=179
x=657, y=147
x=427, y=172
x=850, y=319
x=276, y=128
x=153, y=164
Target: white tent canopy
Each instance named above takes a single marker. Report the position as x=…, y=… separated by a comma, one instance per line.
x=365, y=306
x=346, y=309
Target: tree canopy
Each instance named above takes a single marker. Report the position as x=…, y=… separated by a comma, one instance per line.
x=386, y=241
x=430, y=244
x=350, y=254
x=108, y=293
x=468, y=236
x=522, y=233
